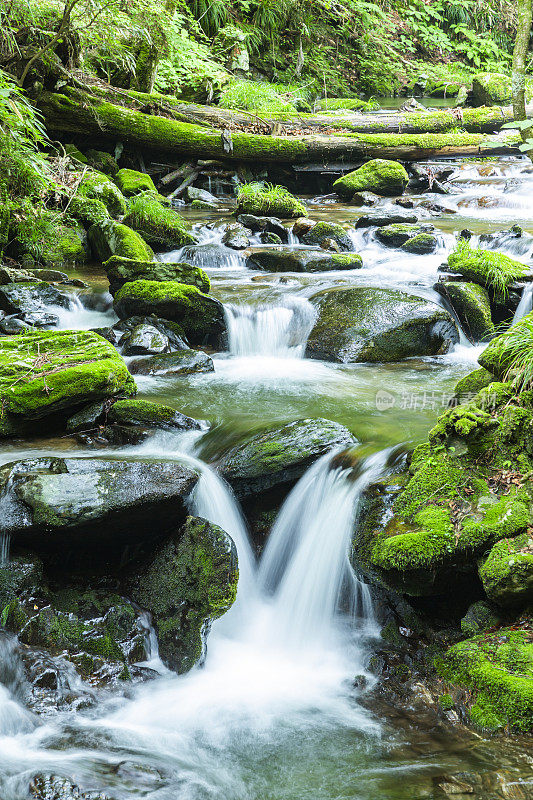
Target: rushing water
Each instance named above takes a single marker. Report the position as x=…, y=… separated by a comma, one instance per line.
x=274, y=713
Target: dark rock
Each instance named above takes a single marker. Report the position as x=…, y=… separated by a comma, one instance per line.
x=471, y=303
x=370, y=324
x=331, y=231
x=379, y=219
x=269, y=238
x=184, y=362
x=31, y=302
x=398, y=234
x=170, y=330
x=280, y=455
x=144, y=340
x=421, y=244
x=11, y=326
x=236, y=236
x=87, y=418
x=264, y=225
x=123, y=270
x=298, y=260
x=142, y=412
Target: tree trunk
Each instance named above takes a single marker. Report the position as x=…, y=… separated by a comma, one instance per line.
x=525, y=11
x=80, y=113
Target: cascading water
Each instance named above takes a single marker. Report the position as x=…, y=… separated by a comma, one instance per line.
x=280, y=331
x=525, y=305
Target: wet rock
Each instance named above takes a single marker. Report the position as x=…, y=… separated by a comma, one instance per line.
x=191, y=581
x=236, y=236
x=398, y=235
x=88, y=417
x=269, y=238
x=93, y=506
x=383, y=177
x=381, y=218
x=481, y=616
x=11, y=326
x=471, y=303
x=323, y=231
x=145, y=340
x=200, y=316
x=280, y=455
x=421, y=244
x=31, y=302
x=302, y=226
x=170, y=330
x=365, y=199
x=265, y=225
x=370, y=324
x=184, y=362
x=286, y=260
x=110, y=238
x=507, y=572
x=425, y=178
x=52, y=787
x=142, y=412
x=202, y=195
x=121, y=270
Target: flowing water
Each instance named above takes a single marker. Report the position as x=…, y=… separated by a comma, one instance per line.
x=275, y=713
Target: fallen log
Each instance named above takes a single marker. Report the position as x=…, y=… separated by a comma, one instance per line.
x=77, y=113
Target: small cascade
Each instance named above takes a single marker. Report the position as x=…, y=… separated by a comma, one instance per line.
x=280, y=331
x=5, y=547
x=525, y=305
x=305, y=566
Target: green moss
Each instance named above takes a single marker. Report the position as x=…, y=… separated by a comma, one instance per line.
x=97, y=186
x=498, y=669
x=112, y=238
x=157, y=224
x=328, y=230
x=254, y=96
x=348, y=104
x=345, y=261
x=485, y=267
x=65, y=248
x=130, y=182
x=124, y=270
x=102, y=162
x=380, y=176
x=141, y=412
x=471, y=303
x=421, y=244
x=46, y=371
x=507, y=572
x=495, y=89
x=446, y=702
x=508, y=356
x=256, y=198
x=87, y=210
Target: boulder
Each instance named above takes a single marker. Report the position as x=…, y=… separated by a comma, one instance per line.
x=236, y=236
x=97, y=186
x=88, y=210
x=421, y=244
x=286, y=260
x=467, y=388
x=152, y=415
x=507, y=572
x=500, y=356
x=494, y=89
x=103, y=162
x=31, y=302
x=44, y=372
x=486, y=267
x=264, y=225
x=158, y=224
x=200, y=316
x=279, y=456
x=191, y=580
x=379, y=219
x=471, y=303
x=184, y=362
x=69, y=246
x=323, y=231
x=124, y=270
x=145, y=340
x=130, y=182
x=260, y=200
x=66, y=507
x=398, y=235
x=480, y=617
x=116, y=239
x=370, y=324
x=201, y=195
x=121, y=331
x=383, y=177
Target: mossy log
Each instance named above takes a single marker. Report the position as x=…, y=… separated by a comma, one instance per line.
x=79, y=113
x=473, y=120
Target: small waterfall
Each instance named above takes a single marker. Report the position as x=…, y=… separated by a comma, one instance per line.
x=305, y=565
x=280, y=331
x=525, y=305
x=5, y=548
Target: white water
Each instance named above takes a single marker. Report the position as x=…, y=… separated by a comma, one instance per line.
x=525, y=305
x=280, y=331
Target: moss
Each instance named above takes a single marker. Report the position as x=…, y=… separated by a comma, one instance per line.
x=75, y=154
x=102, y=162
x=141, y=412
x=397, y=234
x=87, y=210
x=158, y=224
x=348, y=104
x=255, y=198
x=421, y=244
x=485, y=267
x=130, y=182
x=495, y=89
x=328, y=230
x=97, y=186
x=124, y=270
x=479, y=617
x=43, y=372
x=110, y=238
x=380, y=176
x=345, y=261
x=507, y=354
x=446, y=702
x=507, y=572
x=66, y=248
x=199, y=314
x=498, y=669
x=471, y=303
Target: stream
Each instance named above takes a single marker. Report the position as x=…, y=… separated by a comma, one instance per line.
x=276, y=713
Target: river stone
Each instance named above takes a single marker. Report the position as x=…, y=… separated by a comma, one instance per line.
x=280, y=455
x=371, y=324
x=31, y=302
x=422, y=244
x=53, y=787
x=122, y=330
x=110, y=238
x=236, y=236
x=191, y=581
x=184, y=362
x=398, y=235
x=200, y=316
x=264, y=225
x=297, y=260
x=507, y=572
x=381, y=176
x=92, y=506
x=471, y=303
x=381, y=218
x=123, y=270
x=324, y=231
x=44, y=372
x=153, y=415
x=201, y=195
x=145, y=340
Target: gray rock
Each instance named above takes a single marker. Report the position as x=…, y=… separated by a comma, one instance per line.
x=379, y=219
x=145, y=340
x=183, y=362
x=170, y=330
x=398, y=234
x=264, y=224
x=31, y=302
x=201, y=194
x=236, y=236
x=297, y=260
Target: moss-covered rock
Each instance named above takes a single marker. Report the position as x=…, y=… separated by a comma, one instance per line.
x=368, y=324
x=49, y=371
x=67, y=247
x=467, y=388
x=153, y=415
x=501, y=357
x=480, y=617
x=507, y=572
x=421, y=244
x=88, y=210
x=495, y=89
x=184, y=362
x=498, y=670
x=144, y=340
x=191, y=581
x=471, y=303
x=383, y=177
x=121, y=270
x=298, y=260
x=131, y=182
x=486, y=267
x=97, y=186
x=200, y=316
x=322, y=231
x=102, y=161
x=280, y=455
x=257, y=199
x=399, y=234
x=112, y=238
x=158, y=224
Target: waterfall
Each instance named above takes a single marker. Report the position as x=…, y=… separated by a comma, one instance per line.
x=305, y=566
x=525, y=305
x=280, y=331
